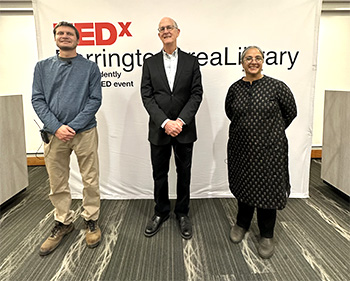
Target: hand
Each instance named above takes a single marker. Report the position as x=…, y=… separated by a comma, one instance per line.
x=65, y=133
x=181, y=123
x=173, y=128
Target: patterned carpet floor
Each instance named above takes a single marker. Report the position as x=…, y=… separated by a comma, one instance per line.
x=312, y=237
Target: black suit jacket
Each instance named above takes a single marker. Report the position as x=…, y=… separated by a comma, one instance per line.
x=162, y=103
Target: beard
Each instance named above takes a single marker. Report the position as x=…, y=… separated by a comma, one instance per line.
x=66, y=48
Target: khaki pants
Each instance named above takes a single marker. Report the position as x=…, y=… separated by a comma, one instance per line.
x=57, y=159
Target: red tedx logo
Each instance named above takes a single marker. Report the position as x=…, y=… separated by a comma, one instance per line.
x=92, y=34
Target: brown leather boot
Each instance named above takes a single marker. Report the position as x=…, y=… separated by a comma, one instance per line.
x=57, y=234
x=93, y=234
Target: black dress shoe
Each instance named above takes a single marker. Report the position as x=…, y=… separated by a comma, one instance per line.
x=154, y=225
x=185, y=227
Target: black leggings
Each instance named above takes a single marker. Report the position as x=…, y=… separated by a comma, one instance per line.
x=266, y=218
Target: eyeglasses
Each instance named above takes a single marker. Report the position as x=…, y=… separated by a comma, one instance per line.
x=168, y=27
x=250, y=59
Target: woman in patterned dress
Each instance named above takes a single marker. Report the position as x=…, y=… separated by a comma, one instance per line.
x=260, y=109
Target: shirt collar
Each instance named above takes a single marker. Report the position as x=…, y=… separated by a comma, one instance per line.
x=173, y=55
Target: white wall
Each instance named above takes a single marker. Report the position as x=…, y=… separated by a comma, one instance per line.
x=333, y=70
x=18, y=55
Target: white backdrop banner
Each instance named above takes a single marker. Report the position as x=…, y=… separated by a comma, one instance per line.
x=119, y=35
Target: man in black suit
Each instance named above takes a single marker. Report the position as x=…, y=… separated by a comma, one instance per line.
x=171, y=91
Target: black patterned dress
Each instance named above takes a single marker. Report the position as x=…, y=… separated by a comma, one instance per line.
x=257, y=148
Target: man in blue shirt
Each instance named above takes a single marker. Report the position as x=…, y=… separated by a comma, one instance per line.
x=66, y=95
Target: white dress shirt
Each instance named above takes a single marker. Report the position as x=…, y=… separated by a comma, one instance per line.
x=170, y=66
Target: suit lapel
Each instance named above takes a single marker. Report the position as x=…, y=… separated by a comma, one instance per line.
x=180, y=64
x=161, y=70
